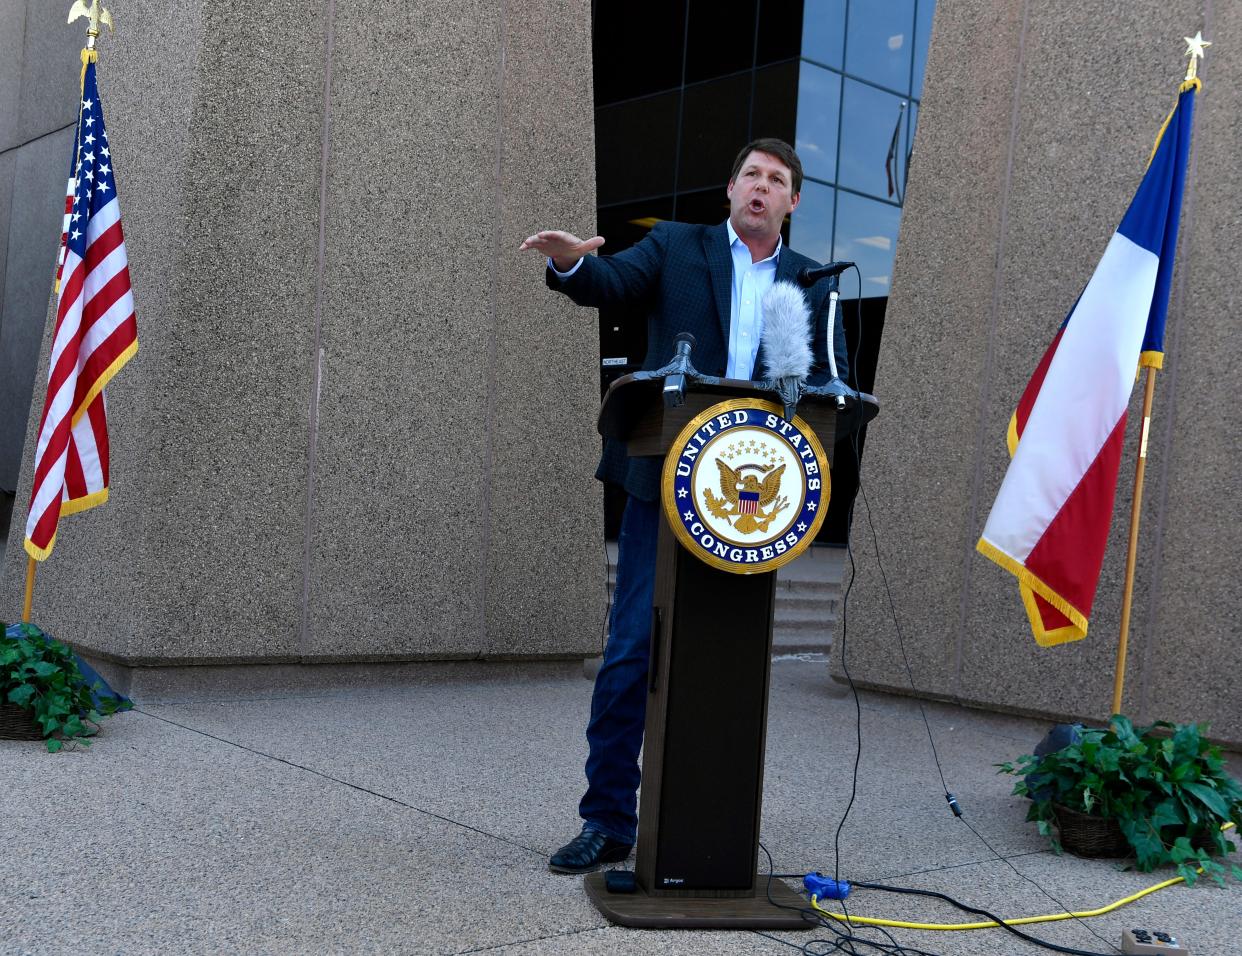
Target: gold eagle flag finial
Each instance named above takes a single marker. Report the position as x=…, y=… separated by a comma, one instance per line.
x=1194, y=50
x=96, y=13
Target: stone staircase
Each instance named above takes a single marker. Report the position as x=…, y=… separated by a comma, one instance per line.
x=808, y=602
x=808, y=599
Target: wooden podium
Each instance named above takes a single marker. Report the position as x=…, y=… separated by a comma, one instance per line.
x=707, y=701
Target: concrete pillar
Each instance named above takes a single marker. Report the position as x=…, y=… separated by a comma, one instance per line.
x=358, y=427
x=1035, y=127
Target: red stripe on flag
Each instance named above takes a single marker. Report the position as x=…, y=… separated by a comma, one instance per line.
x=107, y=296
x=75, y=479
x=70, y=291
x=108, y=351
x=66, y=368
x=56, y=446
x=1050, y=618
x=104, y=245
x=45, y=527
x=1070, y=553
x=99, y=425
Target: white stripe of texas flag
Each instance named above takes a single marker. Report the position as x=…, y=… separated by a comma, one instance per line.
x=1083, y=396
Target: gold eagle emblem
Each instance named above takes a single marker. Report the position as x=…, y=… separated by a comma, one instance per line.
x=94, y=12
x=744, y=497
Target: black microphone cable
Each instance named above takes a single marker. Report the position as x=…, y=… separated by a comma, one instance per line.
x=845, y=942
x=948, y=795
x=842, y=941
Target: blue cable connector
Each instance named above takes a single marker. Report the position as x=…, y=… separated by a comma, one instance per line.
x=825, y=888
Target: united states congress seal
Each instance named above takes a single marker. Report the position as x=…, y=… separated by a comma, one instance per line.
x=744, y=489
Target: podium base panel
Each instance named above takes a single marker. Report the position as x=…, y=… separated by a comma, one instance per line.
x=642, y=911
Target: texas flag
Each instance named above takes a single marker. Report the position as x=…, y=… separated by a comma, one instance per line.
x=1049, y=523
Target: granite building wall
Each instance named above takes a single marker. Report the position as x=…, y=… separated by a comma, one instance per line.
x=1036, y=123
x=358, y=426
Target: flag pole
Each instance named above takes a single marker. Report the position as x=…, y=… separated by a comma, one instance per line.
x=1194, y=50
x=30, y=576
x=1136, y=503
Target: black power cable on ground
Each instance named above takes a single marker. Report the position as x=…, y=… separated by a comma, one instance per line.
x=953, y=804
x=846, y=942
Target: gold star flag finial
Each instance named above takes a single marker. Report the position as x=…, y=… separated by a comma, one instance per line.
x=1194, y=50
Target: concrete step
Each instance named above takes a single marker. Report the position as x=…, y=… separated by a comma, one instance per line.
x=808, y=601
x=822, y=624
x=804, y=630
x=797, y=602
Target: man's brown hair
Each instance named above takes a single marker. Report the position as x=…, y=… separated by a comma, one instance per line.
x=773, y=147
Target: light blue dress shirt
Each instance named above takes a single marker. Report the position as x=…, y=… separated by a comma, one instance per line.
x=751, y=281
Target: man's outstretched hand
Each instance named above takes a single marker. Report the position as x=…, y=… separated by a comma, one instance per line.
x=563, y=248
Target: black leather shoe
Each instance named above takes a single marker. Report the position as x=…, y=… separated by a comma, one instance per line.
x=588, y=851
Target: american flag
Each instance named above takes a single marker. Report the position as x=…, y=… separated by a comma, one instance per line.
x=748, y=502
x=95, y=336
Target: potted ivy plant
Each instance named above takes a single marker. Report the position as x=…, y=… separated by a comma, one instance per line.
x=44, y=694
x=1161, y=793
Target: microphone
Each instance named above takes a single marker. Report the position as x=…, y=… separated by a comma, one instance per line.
x=808, y=276
x=675, y=381
x=786, y=341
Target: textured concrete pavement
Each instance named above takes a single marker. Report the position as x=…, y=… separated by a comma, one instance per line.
x=415, y=815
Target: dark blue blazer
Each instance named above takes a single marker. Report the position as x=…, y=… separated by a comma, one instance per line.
x=683, y=274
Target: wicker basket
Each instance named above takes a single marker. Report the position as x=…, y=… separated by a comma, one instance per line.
x=1085, y=835
x=17, y=723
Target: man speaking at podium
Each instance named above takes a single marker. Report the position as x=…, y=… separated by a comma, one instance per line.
x=708, y=281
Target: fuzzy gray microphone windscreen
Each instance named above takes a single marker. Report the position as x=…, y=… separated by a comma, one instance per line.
x=786, y=332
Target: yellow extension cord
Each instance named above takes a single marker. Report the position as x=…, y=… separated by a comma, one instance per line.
x=1021, y=921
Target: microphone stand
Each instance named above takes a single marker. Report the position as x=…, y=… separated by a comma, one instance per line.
x=837, y=389
x=834, y=294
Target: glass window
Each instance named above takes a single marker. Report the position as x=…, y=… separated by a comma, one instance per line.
x=823, y=32
x=774, y=111
x=819, y=105
x=720, y=39
x=868, y=118
x=922, y=34
x=623, y=328
x=810, y=231
x=879, y=40
x=656, y=28
x=714, y=127
x=624, y=224
x=867, y=235
x=706, y=206
x=635, y=148
x=911, y=126
x=780, y=31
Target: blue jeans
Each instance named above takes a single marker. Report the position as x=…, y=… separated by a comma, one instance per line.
x=619, y=703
